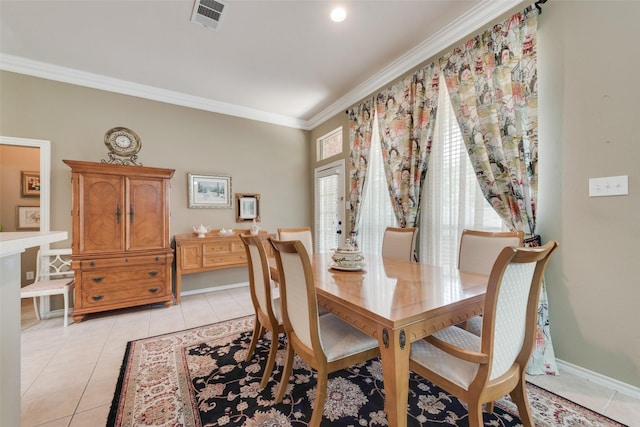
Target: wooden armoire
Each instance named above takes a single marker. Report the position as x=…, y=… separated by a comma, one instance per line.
x=122, y=254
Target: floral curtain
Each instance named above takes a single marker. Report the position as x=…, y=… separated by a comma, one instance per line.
x=492, y=81
x=360, y=129
x=406, y=116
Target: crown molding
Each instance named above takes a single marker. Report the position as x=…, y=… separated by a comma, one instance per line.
x=464, y=25
x=43, y=70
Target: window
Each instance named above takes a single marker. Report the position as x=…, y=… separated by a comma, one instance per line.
x=330, y=144
x=377, y=213
x=451, y=196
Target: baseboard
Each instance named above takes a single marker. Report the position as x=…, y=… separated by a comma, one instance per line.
x=214, y=288
x=600, y=379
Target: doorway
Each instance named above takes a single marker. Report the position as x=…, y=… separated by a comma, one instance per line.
x=329, y=206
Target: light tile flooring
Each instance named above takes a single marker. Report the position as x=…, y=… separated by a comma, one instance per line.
x=69, y=374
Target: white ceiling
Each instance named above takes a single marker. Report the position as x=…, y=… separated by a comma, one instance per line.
x=278, y=61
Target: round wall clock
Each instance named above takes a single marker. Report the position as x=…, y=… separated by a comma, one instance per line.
x=124, y=143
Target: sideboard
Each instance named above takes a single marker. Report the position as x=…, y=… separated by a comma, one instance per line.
x=213, y=252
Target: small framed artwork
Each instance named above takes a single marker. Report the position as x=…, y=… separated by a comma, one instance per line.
x=31, y=184
x=28, y=218
x=247, y=207
x=209, y=191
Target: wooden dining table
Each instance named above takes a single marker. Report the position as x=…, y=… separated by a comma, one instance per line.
x=397, y=302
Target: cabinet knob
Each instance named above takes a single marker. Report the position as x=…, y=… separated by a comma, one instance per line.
x=92, y=263
x=97, y=297
x=98, y=279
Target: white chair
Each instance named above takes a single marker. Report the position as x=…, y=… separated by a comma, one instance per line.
x=266, y=302
x=326, y=343
x=478, y=251
x=399, y=243
x=54, y=277
x=480, y=370
x=303, y=234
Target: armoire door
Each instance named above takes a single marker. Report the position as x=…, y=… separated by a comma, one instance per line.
x=146, y=218
x=102, y=212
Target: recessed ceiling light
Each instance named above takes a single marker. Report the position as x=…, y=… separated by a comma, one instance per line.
x=338, y=14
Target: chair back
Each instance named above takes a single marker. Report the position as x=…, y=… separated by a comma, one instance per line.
x=259, y=280
x=53, y=264
x=511, y=304
x=399, y=243
x=298, y=293
x=303, y=234
x=479, y=249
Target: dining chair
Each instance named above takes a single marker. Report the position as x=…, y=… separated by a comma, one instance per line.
x=399, y=243
x=266, y=302
x=481, y=369
x=54, y=276
x=478, y=251
x=326, y=343
x=303, y=234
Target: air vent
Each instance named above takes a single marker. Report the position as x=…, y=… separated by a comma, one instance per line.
x=208, y=13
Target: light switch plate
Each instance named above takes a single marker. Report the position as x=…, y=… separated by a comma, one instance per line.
x=609, y=186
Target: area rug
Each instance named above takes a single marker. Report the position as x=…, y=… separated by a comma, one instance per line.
x=198, y=377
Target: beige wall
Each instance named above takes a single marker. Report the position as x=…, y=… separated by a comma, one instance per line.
x=588, y=128
x=588, y=57
x=270, y=160
x=13, y=161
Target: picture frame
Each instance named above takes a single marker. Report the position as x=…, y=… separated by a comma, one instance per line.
x=247, y=207
x=30, y=184
x=209, y=190
x=28, y=217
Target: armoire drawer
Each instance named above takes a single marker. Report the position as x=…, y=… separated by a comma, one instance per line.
x=122, y=278
x=125, y=261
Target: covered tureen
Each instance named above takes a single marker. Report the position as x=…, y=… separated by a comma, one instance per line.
x=348, y=256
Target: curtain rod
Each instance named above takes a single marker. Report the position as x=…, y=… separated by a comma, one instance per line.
x=537, y=5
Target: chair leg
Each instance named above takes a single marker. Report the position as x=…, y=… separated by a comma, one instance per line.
x=488, y=408
x=35, y=307
x=286, y=373
x=268, y=368
x=66, y=307
x=258, y=331
x=519, y=396
x=475, y=414
x=321, y=398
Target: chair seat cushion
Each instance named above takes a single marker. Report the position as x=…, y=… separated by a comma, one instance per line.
x=45, y=287
x=340, y=339
x=454, y=369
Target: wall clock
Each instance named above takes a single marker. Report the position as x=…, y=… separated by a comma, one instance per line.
x=123, y=145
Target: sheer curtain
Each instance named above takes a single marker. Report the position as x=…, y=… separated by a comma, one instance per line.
x=377, y=213
x=452, y=199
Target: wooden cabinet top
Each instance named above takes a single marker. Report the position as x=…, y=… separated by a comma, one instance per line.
x=113, y=169
x=213, y=235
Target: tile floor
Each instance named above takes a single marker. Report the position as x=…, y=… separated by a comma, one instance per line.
x=69, y=375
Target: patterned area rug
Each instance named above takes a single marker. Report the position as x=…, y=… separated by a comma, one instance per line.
x=198, y=377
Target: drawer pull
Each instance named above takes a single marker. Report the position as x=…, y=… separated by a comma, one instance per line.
x=157, y=258
x=97, y=297
x=153, y=290
x=153, y=273
x=92, y=263
x=98, y=279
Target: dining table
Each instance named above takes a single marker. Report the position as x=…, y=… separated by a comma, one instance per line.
x=397, y=302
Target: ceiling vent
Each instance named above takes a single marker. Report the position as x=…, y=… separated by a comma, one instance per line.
x=208, y=13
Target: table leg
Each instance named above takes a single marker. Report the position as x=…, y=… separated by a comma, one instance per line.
x=394, y=351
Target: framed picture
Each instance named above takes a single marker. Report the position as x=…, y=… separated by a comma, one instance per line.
x=247, y=207
x=209, y=191
x=31, y=184
x=28, y=218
